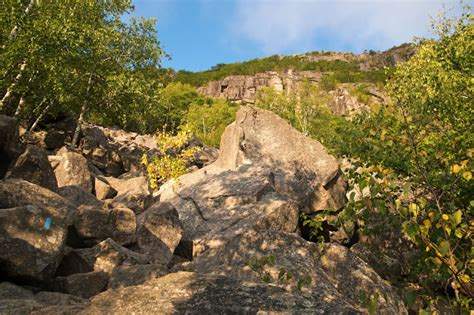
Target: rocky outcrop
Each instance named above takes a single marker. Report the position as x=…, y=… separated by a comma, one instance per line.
x=243, y=88
x=301, y=168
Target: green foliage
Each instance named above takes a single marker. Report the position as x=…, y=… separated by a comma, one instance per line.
x=173, y=160
x=207, y=121
x=420, y=162
x=328, y=82
x=78, y=55
x=175, y=99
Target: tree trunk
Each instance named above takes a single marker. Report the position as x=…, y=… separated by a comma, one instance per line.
x=13, y=85
x=27, y=12
x=75, y=138
x=38, y=119
x=20, y=106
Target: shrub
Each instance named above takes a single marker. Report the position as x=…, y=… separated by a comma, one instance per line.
x=173, y=160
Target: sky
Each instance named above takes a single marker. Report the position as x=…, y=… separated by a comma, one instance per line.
x=199, y=34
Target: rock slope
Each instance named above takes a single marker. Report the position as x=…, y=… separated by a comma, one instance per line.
x=222, y=239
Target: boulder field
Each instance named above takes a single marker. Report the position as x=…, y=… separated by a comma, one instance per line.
x=82, y=233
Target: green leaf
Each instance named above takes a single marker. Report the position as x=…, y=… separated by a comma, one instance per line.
x=457, y=217
x=410, y=297
x=444, y=247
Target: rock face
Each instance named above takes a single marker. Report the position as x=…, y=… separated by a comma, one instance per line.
x=193, y=293
x=33, y=229
x=159, y=232
x=73, y=170
x=243, y=88
x=33, y=165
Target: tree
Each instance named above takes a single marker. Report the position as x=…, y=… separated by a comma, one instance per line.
x=208, y=121
x=73, y=55
x=419, y=152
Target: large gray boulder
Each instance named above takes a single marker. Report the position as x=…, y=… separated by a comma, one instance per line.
x=214, y=206
x=84, y=285
x=33, y=229
x=193, y=293
x=33, y=165
x=301, y=166
x=288, y=261
x=108, y=220
x=73, y=170
x=159, y=232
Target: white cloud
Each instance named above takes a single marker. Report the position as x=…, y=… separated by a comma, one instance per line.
x=278, y=25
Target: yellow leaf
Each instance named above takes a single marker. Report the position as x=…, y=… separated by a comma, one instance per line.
x=455, y=168
x=427, y=248
x=437, y=261
x=466, y=278
x=467, y=175
x=464, y=163
x=445, y=217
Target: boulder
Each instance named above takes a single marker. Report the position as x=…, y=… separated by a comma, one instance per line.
x=55, y=139
x=110, y=220
x=105, y=257
x=302, y=170
x=78, y=196
x=126, y=276
x=132, y=192
x=103, y=190
x=192, y=293
x=73, y=170
x=85, y=285
x=17, y=300
x=210, y=201
x=33, y=229
x=18, y=192
x=159, y=232
x=33, y=165
x=290, y=262
x=32, y=239
x=10, y=146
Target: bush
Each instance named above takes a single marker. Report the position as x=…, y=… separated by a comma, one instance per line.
x=173, y=160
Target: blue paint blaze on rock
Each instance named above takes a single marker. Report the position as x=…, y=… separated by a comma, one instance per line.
x=47, y=223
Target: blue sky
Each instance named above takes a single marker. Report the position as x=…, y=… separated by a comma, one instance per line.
x=201, y=33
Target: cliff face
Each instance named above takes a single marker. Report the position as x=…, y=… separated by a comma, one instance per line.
x=244, y=88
